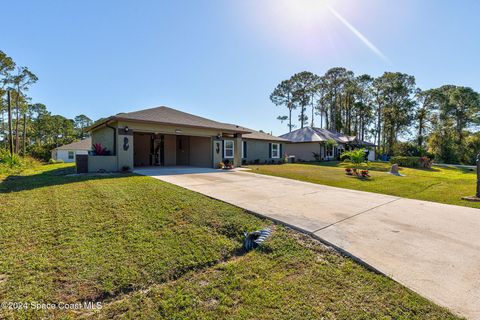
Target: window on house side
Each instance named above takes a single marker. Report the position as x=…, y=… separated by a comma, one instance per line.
x=71, y=155
x=229, y=149
x=275, y=150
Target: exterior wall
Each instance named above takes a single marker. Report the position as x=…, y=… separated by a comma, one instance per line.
x=166, y=129
x=371, y=154
x=259, y=150
x=304, y=151
x=170, y=144
x=125, y=147
x=217, y=152
x=63, y=154
x=200, y=152
x=102, y=163
x=104, y=136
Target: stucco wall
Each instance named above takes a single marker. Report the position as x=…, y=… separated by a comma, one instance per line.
x=104, y=136
x=125, y=151
x=104, y=163
x=200, y=152
x=166, y=129
x=259, y=149
x=303, y=151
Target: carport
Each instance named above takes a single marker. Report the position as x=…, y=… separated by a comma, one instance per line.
x=157, y=149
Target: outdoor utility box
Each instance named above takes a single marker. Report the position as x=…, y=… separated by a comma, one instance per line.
x=81, y=161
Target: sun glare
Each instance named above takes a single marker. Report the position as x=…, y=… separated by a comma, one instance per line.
x=311, y=25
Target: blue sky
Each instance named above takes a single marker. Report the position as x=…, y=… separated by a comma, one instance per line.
x=222, y=58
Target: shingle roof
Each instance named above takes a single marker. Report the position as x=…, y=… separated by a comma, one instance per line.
x=257, y=135
x=85, y=144
x=166, y=115
x=309, y=134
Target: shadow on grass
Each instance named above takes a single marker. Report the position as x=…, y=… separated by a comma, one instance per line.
x=61, y=176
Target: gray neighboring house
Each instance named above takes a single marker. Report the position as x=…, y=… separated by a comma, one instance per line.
x=164, y=136
x=68, y=152
x=261, y=147
x=304, y=142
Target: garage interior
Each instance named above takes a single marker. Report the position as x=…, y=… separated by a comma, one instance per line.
x=152, y=149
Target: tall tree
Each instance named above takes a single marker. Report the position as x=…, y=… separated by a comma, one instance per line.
x=81, y=123
x=282, y=95
x=305, y=86
x=21, y=82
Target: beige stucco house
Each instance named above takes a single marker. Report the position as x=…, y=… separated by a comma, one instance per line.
x=164, y=136
x=307, y=142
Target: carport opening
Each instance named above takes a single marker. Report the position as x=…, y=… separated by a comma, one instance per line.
x=171, y=150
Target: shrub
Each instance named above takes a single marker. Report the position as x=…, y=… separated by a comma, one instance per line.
x=99, y=150
x=221, y=165
x=316, y=155
x=412, y=162
x=348, y=171
x=356, y=157
x=10, y=160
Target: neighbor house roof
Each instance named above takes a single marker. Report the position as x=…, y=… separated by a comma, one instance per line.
x=169, y=116
x=85, y=144
x=257, y=135
x=311, y=134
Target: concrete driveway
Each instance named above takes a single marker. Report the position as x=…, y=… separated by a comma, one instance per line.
x=432, y=248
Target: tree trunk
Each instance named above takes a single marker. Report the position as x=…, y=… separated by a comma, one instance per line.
x=290, y=119
x=24, y=134
x=10, y=133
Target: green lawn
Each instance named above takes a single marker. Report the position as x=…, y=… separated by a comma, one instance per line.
x=439, y=184
x=148, y=249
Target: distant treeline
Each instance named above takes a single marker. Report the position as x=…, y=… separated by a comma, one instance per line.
x=385, y=110
x=31, y=129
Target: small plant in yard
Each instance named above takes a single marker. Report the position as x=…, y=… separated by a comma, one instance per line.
x=348, y=171
x=227, y=164
x=357, y=158
x=364, y=173
x=221, y=165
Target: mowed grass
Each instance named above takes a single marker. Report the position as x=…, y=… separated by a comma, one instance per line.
x=439, y=184
x=147, y=249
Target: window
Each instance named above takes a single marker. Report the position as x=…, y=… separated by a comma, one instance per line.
x=275, y=150
x=329, y=151
x=71, y=155
x=228, y=149
x=244, y=149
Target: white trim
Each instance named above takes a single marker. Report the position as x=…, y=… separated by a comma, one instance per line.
x=225, y=149
x=278, y=151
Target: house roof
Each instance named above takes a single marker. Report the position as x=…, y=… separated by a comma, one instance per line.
x=85, y=144
x=169, y=116
x=257, y=135
x=311, y=134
